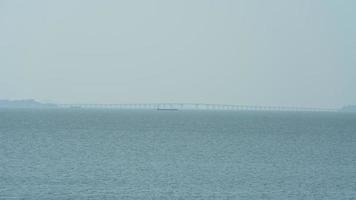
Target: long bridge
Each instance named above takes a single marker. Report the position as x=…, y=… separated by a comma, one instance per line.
x=197, y=106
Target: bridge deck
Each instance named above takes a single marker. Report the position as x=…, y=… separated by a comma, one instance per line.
x=194, y=106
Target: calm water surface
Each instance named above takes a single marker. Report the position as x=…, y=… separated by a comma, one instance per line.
x=113, y=154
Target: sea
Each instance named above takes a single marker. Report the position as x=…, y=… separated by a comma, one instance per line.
x=178, y=155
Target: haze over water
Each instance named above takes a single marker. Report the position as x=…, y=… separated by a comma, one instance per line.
x=60, y=58
x=247, y=52
x=116, y=154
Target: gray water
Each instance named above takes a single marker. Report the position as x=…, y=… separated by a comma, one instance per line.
x=114, y=154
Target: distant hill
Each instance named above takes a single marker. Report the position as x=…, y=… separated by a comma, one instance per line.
x=25, y=103
x=350, y=108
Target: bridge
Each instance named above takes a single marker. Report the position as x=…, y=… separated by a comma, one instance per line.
x=197, y=106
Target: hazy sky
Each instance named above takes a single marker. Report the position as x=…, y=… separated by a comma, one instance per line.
x=277, y=52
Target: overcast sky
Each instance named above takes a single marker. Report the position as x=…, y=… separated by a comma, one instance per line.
x=277, y=52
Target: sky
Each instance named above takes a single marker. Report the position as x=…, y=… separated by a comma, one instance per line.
x=254, y=52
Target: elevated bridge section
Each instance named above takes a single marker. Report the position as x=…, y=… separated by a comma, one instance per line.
x=196, y=106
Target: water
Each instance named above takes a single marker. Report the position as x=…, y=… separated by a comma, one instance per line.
x=108, y=154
